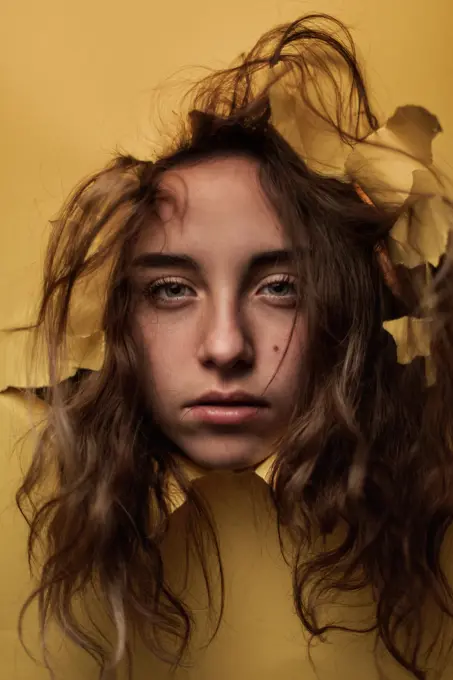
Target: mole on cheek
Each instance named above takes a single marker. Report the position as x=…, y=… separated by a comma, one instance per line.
x=276, y=348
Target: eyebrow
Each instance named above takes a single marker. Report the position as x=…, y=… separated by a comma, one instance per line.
x=267, y=258
x=155, y=260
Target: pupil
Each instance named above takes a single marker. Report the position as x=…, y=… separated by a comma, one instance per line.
x=280, y=287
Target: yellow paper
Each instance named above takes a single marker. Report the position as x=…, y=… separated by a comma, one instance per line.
x=412, y=337
x=194, y=472
x=265, y=469
x=24, y=364
x=384, y=164
x=420, y=234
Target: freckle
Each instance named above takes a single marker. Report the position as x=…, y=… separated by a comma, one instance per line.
x=276, y=348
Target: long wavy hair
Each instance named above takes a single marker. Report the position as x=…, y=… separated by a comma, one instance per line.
x=368, y=452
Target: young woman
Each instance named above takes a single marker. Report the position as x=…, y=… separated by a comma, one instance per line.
x=219, y=312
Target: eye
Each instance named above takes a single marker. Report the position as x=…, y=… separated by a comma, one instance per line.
x=168, y=291
x=280, y=289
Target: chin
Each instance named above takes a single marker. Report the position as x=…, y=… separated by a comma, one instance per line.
x=227, y=455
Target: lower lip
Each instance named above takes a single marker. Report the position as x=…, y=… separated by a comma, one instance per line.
x=225, y=415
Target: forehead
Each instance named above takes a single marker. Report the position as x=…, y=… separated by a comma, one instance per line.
x=216, y=207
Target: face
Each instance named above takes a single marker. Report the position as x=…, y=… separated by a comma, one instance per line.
x=216, y=315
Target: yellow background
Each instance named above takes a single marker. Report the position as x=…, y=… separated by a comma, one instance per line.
x=78, y=79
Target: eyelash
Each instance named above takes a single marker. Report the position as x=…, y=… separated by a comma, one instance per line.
x=282, y=278
x=152, y=290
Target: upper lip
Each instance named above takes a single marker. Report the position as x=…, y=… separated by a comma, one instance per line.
x=229, y=398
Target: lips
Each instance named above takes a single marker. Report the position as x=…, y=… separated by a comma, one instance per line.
x=237, y=398
x=222, y=408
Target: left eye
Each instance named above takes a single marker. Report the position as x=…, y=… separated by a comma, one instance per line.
x=279, y=288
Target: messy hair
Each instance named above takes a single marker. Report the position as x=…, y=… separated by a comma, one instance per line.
x=367, y=455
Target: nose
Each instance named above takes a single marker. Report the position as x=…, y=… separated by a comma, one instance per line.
x=225, y=343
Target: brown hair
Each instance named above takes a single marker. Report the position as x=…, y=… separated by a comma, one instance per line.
x=369, y=448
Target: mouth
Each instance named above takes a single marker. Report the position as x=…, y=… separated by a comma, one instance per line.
x=220, y=408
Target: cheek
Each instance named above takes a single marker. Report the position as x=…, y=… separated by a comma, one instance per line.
x=285, y=350
x=162, y=348
x=284, y=337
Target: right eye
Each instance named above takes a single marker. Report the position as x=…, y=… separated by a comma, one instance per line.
x=167, y=291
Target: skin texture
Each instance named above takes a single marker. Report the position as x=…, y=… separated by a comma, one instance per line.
x=217, y=323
